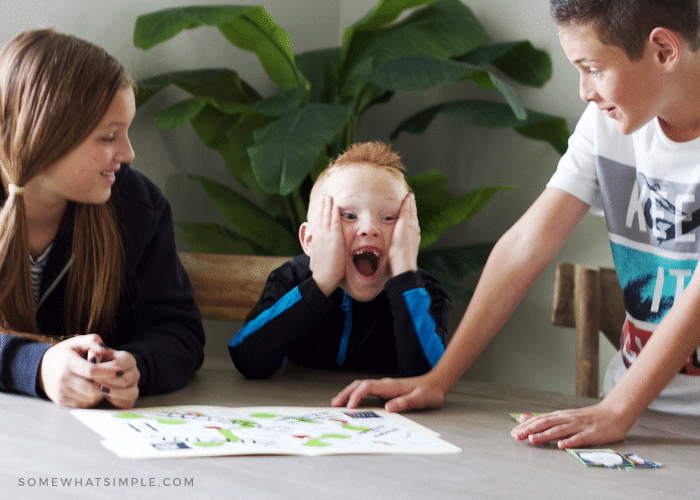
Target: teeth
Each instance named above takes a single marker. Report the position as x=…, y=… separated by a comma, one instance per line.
x=375, y=252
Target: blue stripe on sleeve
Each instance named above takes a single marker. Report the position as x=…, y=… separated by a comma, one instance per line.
x=285, y=302
x=418, y=303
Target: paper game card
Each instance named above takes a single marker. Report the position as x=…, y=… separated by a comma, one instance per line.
x=611, y=459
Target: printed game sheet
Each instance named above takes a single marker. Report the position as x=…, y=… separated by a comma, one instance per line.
x=191, y=431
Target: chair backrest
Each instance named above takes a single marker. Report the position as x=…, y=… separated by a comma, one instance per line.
x=590, y=300
x=228, y=286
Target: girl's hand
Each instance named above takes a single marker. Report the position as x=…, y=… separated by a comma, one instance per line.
x=81, y=372
x=65, y=374
x=119, y=378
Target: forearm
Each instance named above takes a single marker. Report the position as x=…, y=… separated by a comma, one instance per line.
x=258, y=349
x=673, y=341
x=515, y=262
x=420, y=310
x=504, y=282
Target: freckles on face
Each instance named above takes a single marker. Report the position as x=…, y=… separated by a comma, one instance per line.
x=87, y=173
x=369, y=201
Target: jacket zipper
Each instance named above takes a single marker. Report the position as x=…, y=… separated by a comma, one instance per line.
x=347, y=307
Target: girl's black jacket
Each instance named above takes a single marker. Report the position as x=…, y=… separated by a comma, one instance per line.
x=158, y=321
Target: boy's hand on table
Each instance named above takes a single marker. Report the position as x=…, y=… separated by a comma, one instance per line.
x=404, y=394
x=328, y=253
x=592, y=425
x=403, y=253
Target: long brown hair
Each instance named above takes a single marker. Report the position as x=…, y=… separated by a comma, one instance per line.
x=54, y=90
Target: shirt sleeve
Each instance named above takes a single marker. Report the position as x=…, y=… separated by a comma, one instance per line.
x=420, y=309
x=576, y=171
x=284, y=313
x=20, y=359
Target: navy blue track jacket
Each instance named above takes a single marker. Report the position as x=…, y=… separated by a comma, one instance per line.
x=400, y=332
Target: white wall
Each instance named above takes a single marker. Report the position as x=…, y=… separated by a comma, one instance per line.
x=528, y=351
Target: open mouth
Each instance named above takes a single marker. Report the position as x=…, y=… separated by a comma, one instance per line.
x=366, y=261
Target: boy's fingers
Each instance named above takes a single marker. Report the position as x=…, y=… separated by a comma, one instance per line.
x=343, y=396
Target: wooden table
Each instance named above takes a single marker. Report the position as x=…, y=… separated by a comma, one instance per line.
x=44, y=442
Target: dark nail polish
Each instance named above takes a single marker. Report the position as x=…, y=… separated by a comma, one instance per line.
x=120, y=373
x=105, y=390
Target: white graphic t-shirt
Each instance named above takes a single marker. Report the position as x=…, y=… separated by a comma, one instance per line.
x=648, y=188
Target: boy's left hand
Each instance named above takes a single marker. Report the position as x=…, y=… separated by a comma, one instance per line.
x=592, y=425
x=403, y=253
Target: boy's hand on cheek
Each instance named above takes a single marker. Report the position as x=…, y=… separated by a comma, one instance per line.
x=328, y=247
x=403, y=253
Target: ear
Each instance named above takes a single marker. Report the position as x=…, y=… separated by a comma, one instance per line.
x=305, y=238
x=667, y=47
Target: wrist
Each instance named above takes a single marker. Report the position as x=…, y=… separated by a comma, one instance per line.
x=439, y=380
x=402, y=267
x=623, y=411
x=327, y=288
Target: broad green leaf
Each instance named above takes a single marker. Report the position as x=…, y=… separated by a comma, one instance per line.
x=551, y=129
x=493, y=115
x=212, y=238
x=458, y=210
x=179, y=114
x=419, y=73
x=453, y=264
x=230, y=137
x=160, y=26
x=519, y=60
x=280, y=104
x=249, y=28
x=445, y=29
x=221, y=87
x=425, y=72
x=286, y=149
x=252, y=222
x=512, y=100
x=430, y=189
x=384, y=12
x=257, y=32
x=442, y=30
x=321, y=68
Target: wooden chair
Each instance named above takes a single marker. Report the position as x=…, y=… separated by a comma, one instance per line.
x=590, y=300
x=228, y=286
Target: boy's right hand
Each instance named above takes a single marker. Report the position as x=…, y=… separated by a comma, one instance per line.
x=412, y=393
x=328, y=254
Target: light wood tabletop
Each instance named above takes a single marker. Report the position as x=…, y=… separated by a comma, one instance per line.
x=43, y=447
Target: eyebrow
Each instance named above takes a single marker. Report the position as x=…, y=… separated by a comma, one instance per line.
x=114, y=124
x=582, y=60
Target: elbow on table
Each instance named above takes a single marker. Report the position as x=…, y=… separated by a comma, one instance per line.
x=251, y=366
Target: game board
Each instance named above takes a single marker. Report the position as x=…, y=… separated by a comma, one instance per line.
x=189, y=431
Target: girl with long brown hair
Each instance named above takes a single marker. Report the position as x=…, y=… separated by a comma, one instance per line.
x=94, y=303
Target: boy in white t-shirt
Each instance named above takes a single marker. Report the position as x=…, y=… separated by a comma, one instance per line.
x=635, y=154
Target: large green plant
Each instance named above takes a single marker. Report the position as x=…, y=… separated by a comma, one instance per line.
x=275, y=146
